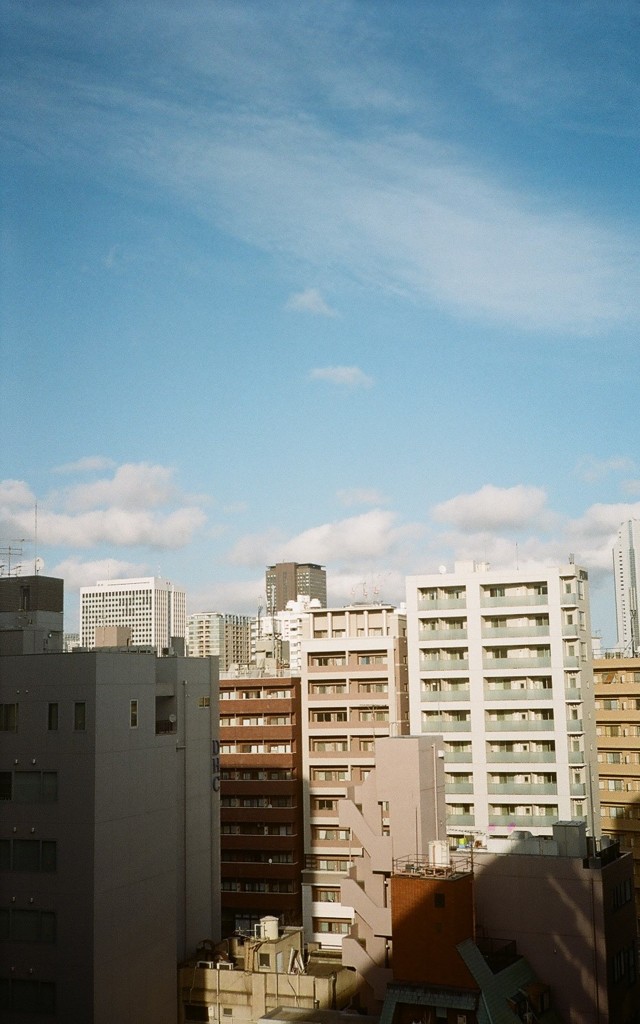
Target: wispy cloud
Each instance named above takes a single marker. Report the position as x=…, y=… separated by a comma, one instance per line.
x=344, y=376
x=590, y=469
x=309, y=301
x=361, y=496
x=391, y=209
x=85, y=465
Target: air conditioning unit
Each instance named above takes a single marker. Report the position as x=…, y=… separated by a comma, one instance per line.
x=205, y=964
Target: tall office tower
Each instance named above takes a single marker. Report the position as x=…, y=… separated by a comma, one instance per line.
x=617, y=690
x=500, y=666
x=261, y=799
x=152, y=608
x=108, y=865
x=226, y=637
x=354, y=689
x=626, y=566
x=284, y=581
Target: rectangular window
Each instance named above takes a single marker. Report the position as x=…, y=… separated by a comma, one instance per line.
x=29, y=787
x=133, y=714
x=80, y=716
x=52, y=717
x=204, y=702
x=8, y=717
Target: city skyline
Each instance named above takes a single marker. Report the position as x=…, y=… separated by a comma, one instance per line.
x=322, y=282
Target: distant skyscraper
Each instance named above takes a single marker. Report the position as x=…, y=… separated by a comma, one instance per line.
x=286, y=580
x=626, y=556
x=154, y=610
x=226, y=637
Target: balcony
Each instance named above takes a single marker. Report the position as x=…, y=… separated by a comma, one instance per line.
x=443, y=634
x=444, y=664
x=574, y=725
x=504, y=632
x=525, y=695
x=578, y=789
x=522, y=789
x=458, y=756
x=571, y=693
x=440, y=725
x=521, y=757
x=570, y=630
x=568, y=600
x=444, y=695
x=571, y=661
x=461, y=819
x=520, y=725
x=576, y=757
x=440, y=604
x=513, y=600
x=459, y=787
x=536, y=820
x=504, y=663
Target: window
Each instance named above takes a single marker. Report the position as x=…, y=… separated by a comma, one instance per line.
x=80, y=716
x=27, y=855
x=332, y=927
x=29, y=787
x=27, y=925
x=8, y=717
x=372, y=659
x=52, y=717
x=133, y=714
x=204, y=702
x=28, y=995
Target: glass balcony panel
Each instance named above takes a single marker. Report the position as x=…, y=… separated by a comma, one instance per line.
x=444, y=665
x=448, y=695
x=504, y=632
x=513, y=600
x=526, y=695
x=498, y=663
x=522, y=788
x=521, y=725
x=443, y=634
x=521, y=757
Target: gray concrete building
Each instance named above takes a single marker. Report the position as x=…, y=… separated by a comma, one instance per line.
x=109, y=862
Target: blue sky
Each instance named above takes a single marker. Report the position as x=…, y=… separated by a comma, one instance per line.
x=346, y=282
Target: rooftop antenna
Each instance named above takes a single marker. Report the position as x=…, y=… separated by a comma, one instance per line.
x=36, y=561
x=517, y=557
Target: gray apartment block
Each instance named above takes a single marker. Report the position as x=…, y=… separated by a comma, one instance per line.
x=109, y=844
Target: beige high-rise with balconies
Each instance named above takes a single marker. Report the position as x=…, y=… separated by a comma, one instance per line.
x=354, y=689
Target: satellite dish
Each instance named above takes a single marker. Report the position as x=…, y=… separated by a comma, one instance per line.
x=442, y=569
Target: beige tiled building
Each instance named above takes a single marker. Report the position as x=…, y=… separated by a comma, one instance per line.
x=617, y=691
x=354, y=689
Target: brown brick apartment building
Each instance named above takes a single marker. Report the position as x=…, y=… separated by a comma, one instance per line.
x=261, y=812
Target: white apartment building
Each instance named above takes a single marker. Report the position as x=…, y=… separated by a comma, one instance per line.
x=226, y=637
x=354, y=689
x=289, y=627
x=153, y=609
x=500, y=667
x=626, y=567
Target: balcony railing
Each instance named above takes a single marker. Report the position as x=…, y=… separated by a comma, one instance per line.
x=571, y=693
x=513, y=600
x=520, y=757
x=578, y=789
x=442, y=634
x=448, y=695
x=576, y=757
x=439, y=725
x=461, y=819
x=569, y=600
x=444, y=665
x=539, y=820
x=526, y=695
x=574, y=725
x=458, y=756
x=489, y=632
x=459, y=787
x=499, y=663
x=522, y=788
x=440, y=604
x=520, y=725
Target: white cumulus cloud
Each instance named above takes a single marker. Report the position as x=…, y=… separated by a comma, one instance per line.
x=493, y=508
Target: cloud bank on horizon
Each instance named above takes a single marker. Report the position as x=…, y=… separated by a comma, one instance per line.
x=131, y=510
